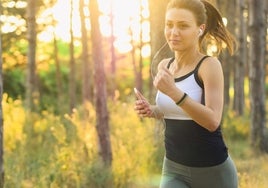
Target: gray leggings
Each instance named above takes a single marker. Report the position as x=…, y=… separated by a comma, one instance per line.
x=175, y=175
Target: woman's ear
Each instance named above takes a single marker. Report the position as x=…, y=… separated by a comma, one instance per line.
x=201, y=30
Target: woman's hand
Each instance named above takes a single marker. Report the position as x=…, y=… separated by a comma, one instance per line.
x=142, y=106
x=164, y=81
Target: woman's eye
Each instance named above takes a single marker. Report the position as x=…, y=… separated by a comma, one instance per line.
x=183, y=26
x=169, y=25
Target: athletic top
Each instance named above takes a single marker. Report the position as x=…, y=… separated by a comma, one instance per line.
x=187, y=142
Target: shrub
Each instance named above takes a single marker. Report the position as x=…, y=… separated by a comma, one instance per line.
x=236, y=127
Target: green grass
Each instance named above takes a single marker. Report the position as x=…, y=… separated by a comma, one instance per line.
x=252, y=167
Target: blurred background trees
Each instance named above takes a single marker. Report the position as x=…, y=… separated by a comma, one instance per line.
x=75, y=61
x=1, y=115
x=257, y=72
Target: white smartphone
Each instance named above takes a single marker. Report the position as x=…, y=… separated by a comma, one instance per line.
x=137, y=94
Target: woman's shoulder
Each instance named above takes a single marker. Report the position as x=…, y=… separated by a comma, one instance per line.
x=165, y=62
x=210, y=65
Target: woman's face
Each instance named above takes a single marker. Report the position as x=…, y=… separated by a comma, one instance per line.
x=181, y=30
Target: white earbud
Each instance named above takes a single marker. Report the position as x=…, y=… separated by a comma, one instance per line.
x=200, y=32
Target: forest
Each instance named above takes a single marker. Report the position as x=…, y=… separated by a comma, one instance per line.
x=67, y=73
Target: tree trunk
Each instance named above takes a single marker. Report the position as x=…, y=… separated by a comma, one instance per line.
x=72, y=73
x=86, y=72
x=241, y=59
x=113, y=55
x=227, y=9
x=58, y=74
x=137, y=59
x=224, y=56
x=2, y=171
x=31, y=37
x=158, y=48
x=139, y=75
x=257, y=32
x=227, y=75
x=102, y=124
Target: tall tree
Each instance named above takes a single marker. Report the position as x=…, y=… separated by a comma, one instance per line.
x=157, y=20
x=1, y=113
x=138, y=67
x=227, y=9
x=86, y=72
x=157, y=23
x=257, y=33
x=72, y=73
x=102, y=123
x=58, y=72
x=31, y=64
x=112, y=50
x=241, y=59
x=224, y=56
x=58, y=75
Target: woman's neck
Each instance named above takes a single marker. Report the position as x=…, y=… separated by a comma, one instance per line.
x=187, y=58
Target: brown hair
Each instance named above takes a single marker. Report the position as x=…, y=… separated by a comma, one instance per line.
x=206, y=13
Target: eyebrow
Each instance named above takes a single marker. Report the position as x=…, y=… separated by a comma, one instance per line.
x=178, y=21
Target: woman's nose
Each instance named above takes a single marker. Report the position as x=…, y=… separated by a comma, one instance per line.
x=175, y=31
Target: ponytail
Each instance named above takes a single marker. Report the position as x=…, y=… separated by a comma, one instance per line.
x=216, y=30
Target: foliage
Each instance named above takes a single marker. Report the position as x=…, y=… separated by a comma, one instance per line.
x=14, y=74
x=45, y=150
x=13, y=15
x=14, y=82
x=133, y=144
x=48, y=87
x=236, y=127
x=15, y=55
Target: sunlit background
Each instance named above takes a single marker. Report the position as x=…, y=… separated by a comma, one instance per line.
x=126, y=19
x=129, y=19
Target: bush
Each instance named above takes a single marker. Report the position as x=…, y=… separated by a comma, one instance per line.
x=46, y=150
x=236, y=127
x=14, y=82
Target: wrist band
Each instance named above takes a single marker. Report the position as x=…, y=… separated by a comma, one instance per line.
x=181, y=100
